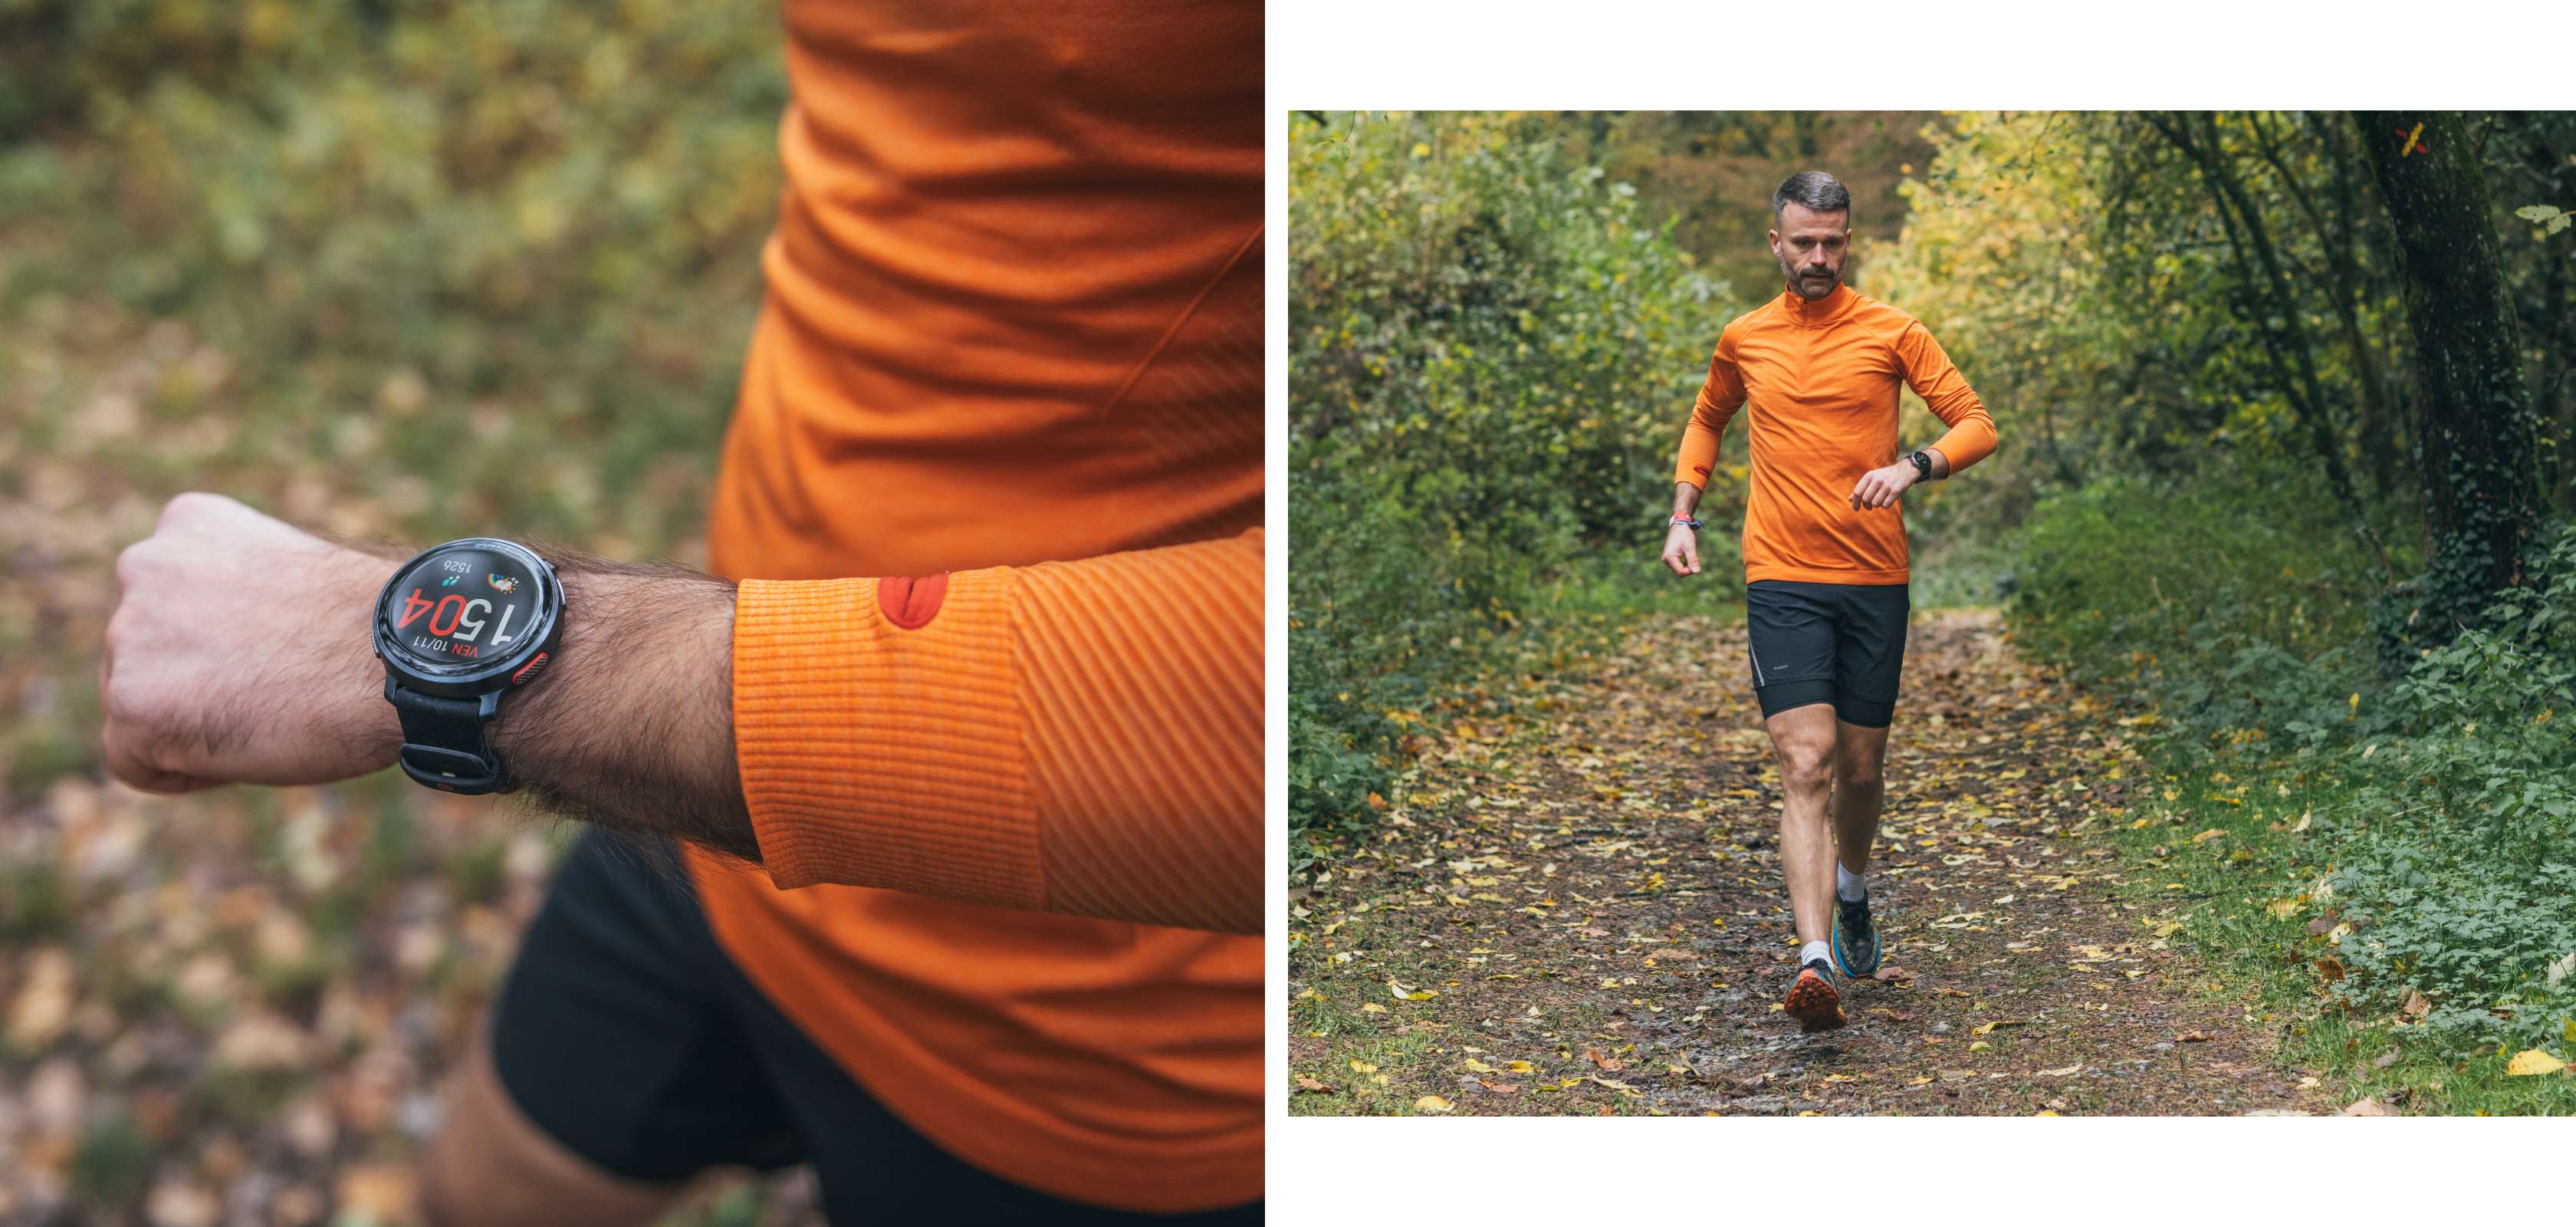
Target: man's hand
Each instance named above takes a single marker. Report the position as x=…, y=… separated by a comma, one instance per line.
x=1879, y=487
x=239, y=652
x=1681, y=550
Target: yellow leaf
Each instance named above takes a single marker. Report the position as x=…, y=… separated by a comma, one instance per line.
x=1518, y=1067
x=1431, y=1103
x=2169, y=928
x=2060, y=1073
x=1371, y=1007
x=2282, y=909
x=1402, y=991
x=1979, y=1046
x=1362, y=1067
x=2533, y=1061
x=1475, y=1066
x=2208, y=835
x=1988, y=1028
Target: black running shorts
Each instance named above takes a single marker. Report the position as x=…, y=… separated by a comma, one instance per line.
x=626, y=1033
x=1827, y=643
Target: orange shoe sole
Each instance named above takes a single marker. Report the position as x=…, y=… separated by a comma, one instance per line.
x=1814, y=1003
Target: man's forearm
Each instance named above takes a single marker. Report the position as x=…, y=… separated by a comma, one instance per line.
x=1685, y=499
x=632, y=728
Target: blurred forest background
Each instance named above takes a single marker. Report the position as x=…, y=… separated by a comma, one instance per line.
x=408, y=271
x=2284, y=401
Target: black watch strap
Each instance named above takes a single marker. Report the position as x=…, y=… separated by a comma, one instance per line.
x=445, y=742
x=1922, y=464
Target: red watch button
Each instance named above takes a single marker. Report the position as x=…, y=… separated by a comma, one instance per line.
x=529, y=670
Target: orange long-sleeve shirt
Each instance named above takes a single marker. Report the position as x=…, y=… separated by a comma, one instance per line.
x=1822, y=379
x=993, y=490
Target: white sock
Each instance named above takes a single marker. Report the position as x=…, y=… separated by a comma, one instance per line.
x=1813, y=951
x=1848, y=886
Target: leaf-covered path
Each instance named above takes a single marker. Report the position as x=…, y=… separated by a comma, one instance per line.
x=1576, y=908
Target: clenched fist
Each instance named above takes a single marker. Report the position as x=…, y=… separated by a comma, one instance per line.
x=239, y=652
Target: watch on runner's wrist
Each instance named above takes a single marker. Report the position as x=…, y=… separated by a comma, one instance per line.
x=1922, y=466
x=459, y=627
x=1682, y=522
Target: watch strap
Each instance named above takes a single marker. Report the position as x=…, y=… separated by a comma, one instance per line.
x=446, y=742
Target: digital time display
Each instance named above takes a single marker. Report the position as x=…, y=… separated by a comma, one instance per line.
x=465, y=605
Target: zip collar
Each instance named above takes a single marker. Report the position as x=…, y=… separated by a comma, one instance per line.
x=1822, y=311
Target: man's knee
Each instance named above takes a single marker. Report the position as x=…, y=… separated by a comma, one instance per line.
x=1859, y=773
x=1806, y=771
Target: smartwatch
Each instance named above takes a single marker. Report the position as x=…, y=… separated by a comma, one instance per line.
x=458, y=627
x=1922, y=465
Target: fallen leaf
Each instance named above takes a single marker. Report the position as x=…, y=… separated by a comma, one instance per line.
x=1371, y=1007
x=1979, y=1046
x=2194, y=1037
x=1518, y=1067
x=1475, y=1066
x=1359, y=1066
x=2060, y=1073
x=2532, y=1061
x=2367, y=1107
x=2208, y=835
x=1402, y=991
x=1612, y=1064
x=1499, y=1088
x=1957, y=1075
x=2416, y=1006
x=2282, y=909
x=1432, y=1103
x=2330, y=967
x=1891, y=974
x=1305, y=1083
x=1988, y=1028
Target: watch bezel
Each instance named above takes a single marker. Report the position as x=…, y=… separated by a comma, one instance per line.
x=469, y=680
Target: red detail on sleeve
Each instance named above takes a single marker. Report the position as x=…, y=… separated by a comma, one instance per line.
x=911, y=603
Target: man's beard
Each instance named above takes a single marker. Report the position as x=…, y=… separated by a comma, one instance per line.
x=1806, y=288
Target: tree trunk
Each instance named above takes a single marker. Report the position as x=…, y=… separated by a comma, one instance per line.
x=2476, y=435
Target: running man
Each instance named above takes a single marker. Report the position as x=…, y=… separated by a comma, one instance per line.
x=1824, y=553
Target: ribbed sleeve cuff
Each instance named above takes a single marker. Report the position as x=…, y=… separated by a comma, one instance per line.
x=879, y=753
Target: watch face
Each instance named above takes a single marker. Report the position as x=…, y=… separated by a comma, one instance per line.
x=464, y=606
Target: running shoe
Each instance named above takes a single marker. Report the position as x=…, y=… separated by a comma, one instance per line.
x=1855, y=938
x=1813, y=1001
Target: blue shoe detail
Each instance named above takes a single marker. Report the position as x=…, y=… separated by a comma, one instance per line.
x=1855, y=940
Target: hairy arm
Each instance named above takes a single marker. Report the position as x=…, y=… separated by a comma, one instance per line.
x=1073, y=737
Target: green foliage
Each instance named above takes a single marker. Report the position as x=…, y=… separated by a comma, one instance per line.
x=1491, y=355
x=374, y=240
x=2230, y=602
x=2439, y=804
x=2550, y=218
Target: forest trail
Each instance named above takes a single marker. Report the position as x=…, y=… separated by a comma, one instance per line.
x=1579, y=910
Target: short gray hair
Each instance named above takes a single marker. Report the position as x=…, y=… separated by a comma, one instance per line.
x=1814, y=189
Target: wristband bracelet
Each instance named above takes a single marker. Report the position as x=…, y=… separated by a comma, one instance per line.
x=1682, y=522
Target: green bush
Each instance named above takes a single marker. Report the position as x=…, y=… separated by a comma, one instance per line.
x=2235, y=600
x=2442, y=800
x=1491, y=356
